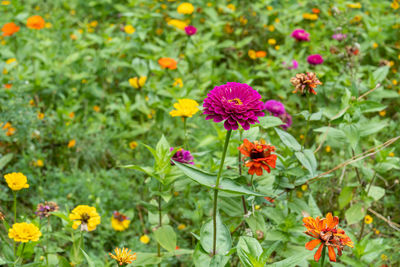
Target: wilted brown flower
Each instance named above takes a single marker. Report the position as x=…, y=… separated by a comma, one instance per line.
x=305, y=82
x=2, y=217
x=384, y=62
x=43, y=210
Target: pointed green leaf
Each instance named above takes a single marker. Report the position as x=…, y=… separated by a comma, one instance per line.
x=288, y=140
x=224, y=241
x=166, y=236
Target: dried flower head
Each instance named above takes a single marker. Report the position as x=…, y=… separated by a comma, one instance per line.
x=305, y=82
x=123, y=256
x=44, y=210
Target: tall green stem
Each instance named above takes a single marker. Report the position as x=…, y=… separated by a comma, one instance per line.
x=323, y=256
x=15, y=220
x=308, y=122
x=159, y=220
x=240, y=172
x=228, y=136
x=185, y=141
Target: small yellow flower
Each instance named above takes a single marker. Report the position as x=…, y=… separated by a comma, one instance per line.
x=185, y=8
x=129, y=29
x=301, y=136
x=123, y=256
x=40, y=115
x=252, y=54
x=328, y=149
x=181, y=226
x=48, y=25
x=382, y=113
x=271, y=41
x=394, y=82
x=119, y=222
x=310, y=16
x=72, y=12
x=145, y=239
x=84, y=216
x=159, y=31
x=368, y=219
x=96, y=108
x=71, y=143
x=16, y=181
x=11, y=60
x=84, y=81
x=395, y=5
x=271, y=28
x=277, y=20
x=304, y=187
x=231, y=7
x=357, y=18
x=178, y=82
x=176, y=193
x=277, y=47
x=137, y=82
x=391, y=154
x=377, y=232
x=185, y=108
x=257, y=207
x=39, y=163
x=179, y=24
x=384, y=257
x=299, y=194
x=73, y=36
x=375, y=45
x=24, y=232
x=5, y=3
x=133, y=145
x=270, y=8
x=93, y=23
x=355, y=5
x=72, y=115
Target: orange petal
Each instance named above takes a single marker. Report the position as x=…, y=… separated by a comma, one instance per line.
x=259, y=171
x=312, y=244
x=332, y=254
x=318, y=253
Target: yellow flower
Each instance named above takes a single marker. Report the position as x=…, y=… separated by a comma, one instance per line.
x=181, y=226
x=129, y=29
x=72, y=115
x=328, y=149
x=178, y=82
x=16, y=181
x=277, y=47
x=271, y=41
x=355, y=5
x=71, y=143
x=301, y=136
x=382, y=113
x=277, y=20
x=73, y=37
x=94, y=23
x=394, y=82
x=375, y=45
x=48, y=25
x=11, y=60
x=231, y=7
x=257, y=207
x=5, y=3
x=39, y=163
x=24, y=232
x=185, y=8
x=133, y=144
x=185, y=108
x=179, y=24
x=252, y=54
x=377, y=232
x=84, y=216
x=391, y=154
x=119, y=222
x=368, y=219
x=271, y=28
x=159, y=31
x=384, y=257
x=299, y=194
x=72, y=12
x=310, y=16
x=395, y=5
x=304, y=187
x=270, y=8
x=123, y=256
x=40, y=115
x=357, y=18
x=96, y=108
x=137, y=82
x=145, y=239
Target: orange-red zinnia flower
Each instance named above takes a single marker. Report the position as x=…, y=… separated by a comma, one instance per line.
x=35, y=22
x=9, y=29
x=259, y=155
x=167, y=63
x=326, y=232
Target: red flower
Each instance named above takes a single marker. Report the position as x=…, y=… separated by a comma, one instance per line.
x=259, y=155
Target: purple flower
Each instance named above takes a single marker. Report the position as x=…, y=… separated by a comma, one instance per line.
x=182, y=156
x=315, y=59
x=339, y=36
x=294, y=65
x=287, y=119
x=275, y=108
x=234, y=103
x=190, y=30
x=300, y=35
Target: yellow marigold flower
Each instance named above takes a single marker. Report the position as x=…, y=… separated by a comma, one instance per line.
x=119, y=222
x=231, y=7
x=257, y=207
x=11, y=60
x=71, y=143
x=181, y=226
x=84, y=216
x=145, y=239
x=301, y=136
x=270, y=8
x=178, y=82
x=40, y=115
x=355, y=5
x=277, y=47
x=72, y=115
x=133, y=145
x=271, y=41
x=123, y=256
x=5, y=3
x=179, y=24
x=310, y=16
x=375, y=45
x=185, y=108
x=384, y=257
x=328, y=149
x=382, y=113
x=48, y=25
x=137, y=82
x=96, y=108
x=271, y=28
x=185, y=8
x=94, y=23
x=39, y=163
x=304, y=187
x=24, y=232
x=73, y=36
x=357, y=18
x=252, y=54
x=377, y=232
x=129, y=29
x=277, y=20
x=391, y=154
x=368, y=219
x=395, y=5
x=394, y=82
x=16, y=181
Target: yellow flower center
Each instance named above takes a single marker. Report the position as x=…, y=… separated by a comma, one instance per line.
x=237, y=101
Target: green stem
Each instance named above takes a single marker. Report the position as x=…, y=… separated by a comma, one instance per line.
x=228, y=136
x=240, y=172
x=21, y=254
x=323, y=256
x=308, y=122
x=159, y=220
x=185, y=141
x=15, y=220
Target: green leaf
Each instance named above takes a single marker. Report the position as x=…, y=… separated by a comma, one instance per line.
x=166, y=236
x=200, y=257
x=346, y=195
x=380, y=74
x=248, y=246
x=292, y=261
x=62, y=216
x=355, y=213
x=89, y=260
x=224, y=241
x=219, y=261
x=143, y=259
x=288, y=140
x=209, y=180
x=307, y=159
x=315, y=211
x=63, y=262
x=371, y=106
x=270, y=121
x=4, y=160
x=353, y=135
x=376, y=192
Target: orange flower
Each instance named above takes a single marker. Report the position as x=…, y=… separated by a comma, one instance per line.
x=9, y=29
x=35, y=22
x=316, y=11
x=167, y=63
x=261, y=54
x=260, y=156
x=8, y=85
x=326, y=233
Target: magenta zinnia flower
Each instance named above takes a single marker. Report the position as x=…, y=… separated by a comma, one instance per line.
x=190, y=30
x=300, y=35
x=315, y=59
x=182, y=156
x=234, y=103
x=287, y=119
x=294, y=65
x=274, y=107
x=339, y=36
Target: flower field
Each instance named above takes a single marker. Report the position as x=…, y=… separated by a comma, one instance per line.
x=220, y=133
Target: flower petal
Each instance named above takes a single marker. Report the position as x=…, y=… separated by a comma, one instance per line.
x=312, y=244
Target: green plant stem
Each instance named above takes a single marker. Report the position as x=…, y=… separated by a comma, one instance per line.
x=15, y=219
x=308, y=123
x=185, y=141
x=20, y=256
x=323, y=256
x=240, y=171
x=228, y=136
x=159, y=220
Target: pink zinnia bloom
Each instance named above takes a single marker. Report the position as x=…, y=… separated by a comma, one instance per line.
x=234, y=103
x=190, y=30
x=300, y=35
x=294, y=65
x=315, y=59
x=339, y=36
